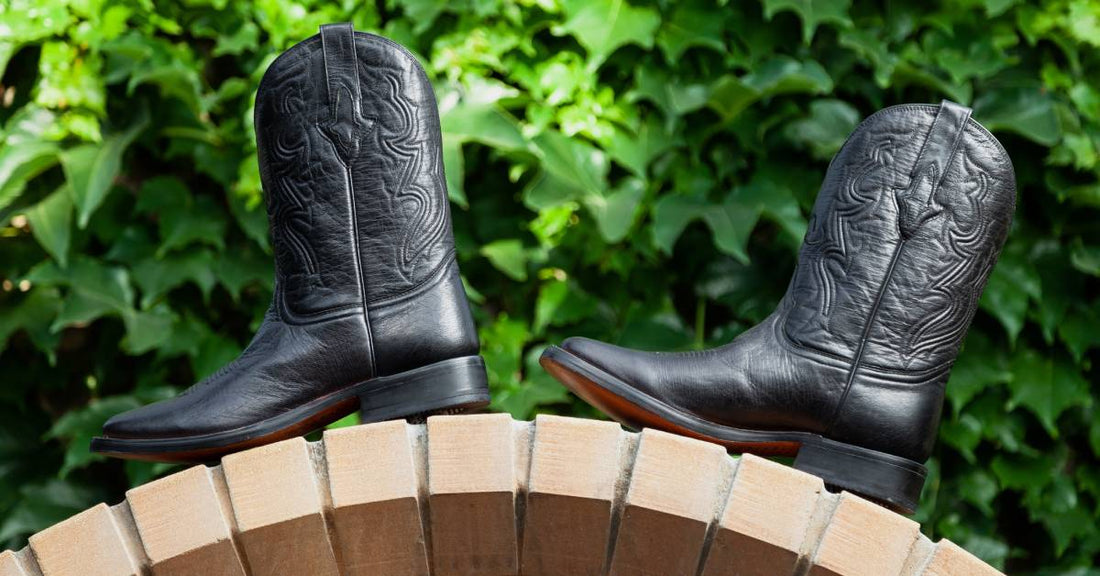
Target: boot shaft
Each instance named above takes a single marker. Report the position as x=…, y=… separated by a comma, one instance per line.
x=907, y=226
x=350, y=157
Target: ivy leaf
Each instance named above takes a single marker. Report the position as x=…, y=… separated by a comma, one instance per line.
x=980, y=365
x=635, y=150
x=502, y=343
x=454, y=164
x=28, y=20
x=1013, y=281
x=602, y=26
x=812, y=13
x=785, y=75
x=422, y=12
x=1047, y=387
x=1069, y=525
x=33, y=314
x=560, y=303
x=671, y=215
x=508, y=256
x=51, y=222
x=1025, y=110
x=995, y=8
x=236, y=269
x=22, y=162
x=79, y=426
x=484, y=123
x=243, y=39
x=536, y=389
x=673, y=97
x=979, y=487
x=146, y=330
x=1024, y=473
x=95, y=288
x=201, y=222
x=70, y=77
x=729, y=96
x=730, y=222
x=1084, y=21
x=1079, y=331
x=826, y=127
x=614, y=212
x=1061, y=288
x=967, y=56
x=869, y=45
x=691, y=24
x=43, y=504
x=182, y=218
x=91, y=169
x=571, y=169
x=963, y=434
x=906, y=73
x=770, y=192
x=1086, y=259
x=157, y=276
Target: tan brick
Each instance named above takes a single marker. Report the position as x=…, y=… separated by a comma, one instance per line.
x=574, y=468
x=765, y=520
x=183, y=527
x=949, y=559
x=472, y=487
x=278, y=510
x=9, y=564
x=376, y=510
x=88, y=544
x=864, y=539
x=674, y=489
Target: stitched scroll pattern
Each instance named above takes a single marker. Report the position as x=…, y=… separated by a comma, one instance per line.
x=847, y=247
x=291, y=197
x=409, y=183
x=953, y=256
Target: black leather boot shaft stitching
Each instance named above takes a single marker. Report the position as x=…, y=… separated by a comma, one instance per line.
x=849, y=372
x=369, y=311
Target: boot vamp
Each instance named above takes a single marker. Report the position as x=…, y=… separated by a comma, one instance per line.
x=755, y=382
x=284, y=367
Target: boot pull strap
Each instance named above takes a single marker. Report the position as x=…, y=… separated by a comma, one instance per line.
x=917, y=203
x=345, y=125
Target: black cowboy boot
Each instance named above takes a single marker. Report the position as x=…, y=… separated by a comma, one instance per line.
x=849, y=372
x=369, y=312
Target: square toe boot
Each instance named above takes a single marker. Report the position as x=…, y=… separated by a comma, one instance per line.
x=368, y=312
x=848, y=373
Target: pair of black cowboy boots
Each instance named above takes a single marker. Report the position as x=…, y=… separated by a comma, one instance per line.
x=369, y=312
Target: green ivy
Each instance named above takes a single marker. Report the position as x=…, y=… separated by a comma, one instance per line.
x=638, y=171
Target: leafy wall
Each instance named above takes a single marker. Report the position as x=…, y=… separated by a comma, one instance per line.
x=636, y=172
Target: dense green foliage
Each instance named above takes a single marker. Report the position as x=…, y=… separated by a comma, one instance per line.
x=639, y=172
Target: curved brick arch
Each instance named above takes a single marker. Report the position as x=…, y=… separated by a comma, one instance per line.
x=471, y=495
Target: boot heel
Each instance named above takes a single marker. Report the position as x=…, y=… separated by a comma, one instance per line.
x=890, y=480
x=447, y=387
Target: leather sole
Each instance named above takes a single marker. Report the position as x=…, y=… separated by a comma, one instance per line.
x=890, y=480
x=451, y=386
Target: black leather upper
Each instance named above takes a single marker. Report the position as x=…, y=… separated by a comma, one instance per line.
x=350, y=157
x=904, y=233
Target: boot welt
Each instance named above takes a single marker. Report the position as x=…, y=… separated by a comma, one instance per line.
x=450, y=386
x=890, y=480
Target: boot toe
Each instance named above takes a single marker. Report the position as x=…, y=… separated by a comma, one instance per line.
x=149, y=421
x=632, y=367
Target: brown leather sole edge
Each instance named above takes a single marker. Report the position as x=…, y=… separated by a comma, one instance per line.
x=890, y=480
